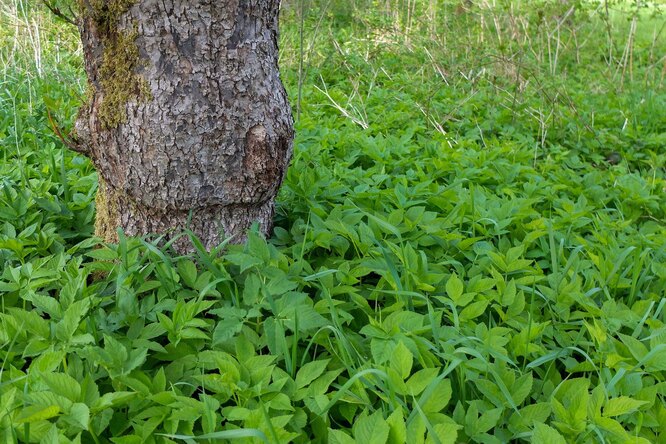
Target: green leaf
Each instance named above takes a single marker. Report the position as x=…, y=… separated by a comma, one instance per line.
x=227, y=329
x=402, y=360
x=245, y=261
x=544, y=434
x=488, y=420
x=454, y=288
x=621, y=406
x=71, y=320
x=63, y=384
x=111, y=400
x=529, y=415
x=437, y=396
x=37, y=413
x=397, y=427
x=223, y=434
x=79, y=416
x=371, y=429
x=339, y=437
x=103, y=254
x=447, y=433
x=309, y=372
x=636, y=347
x=521, y=389
x=420, y=380
x=473, y=310
x=188, y=271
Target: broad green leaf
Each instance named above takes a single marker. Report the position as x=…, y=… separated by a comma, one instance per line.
x=188, y=271
x=63, y=384
x=37, y=413
x=454, y=288
x=397, y=428
x=47, y=362
x=636, y=347
x=309, y=372
x=226, y=329
x=437, y=396
x=544, y=434
x=521, y=389
x=473, y=310
x=51, y=437
x=339, y=437
x=371, y=429
x=621, y=406
x=402, y=360
x=79, y=416
x=530, y=415
x=111, y=400
x=613, y=427
x=420, y=380
x=447, y=433
x=488, y=420
x=103, y=254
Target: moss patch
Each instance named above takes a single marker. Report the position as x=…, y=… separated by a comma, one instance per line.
x=118, y=80
x=107, y=217
x=107, y=12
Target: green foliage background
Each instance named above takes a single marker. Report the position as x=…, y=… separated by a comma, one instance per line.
x=470, y=243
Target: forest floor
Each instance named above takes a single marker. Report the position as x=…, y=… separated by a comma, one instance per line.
x=470, y=243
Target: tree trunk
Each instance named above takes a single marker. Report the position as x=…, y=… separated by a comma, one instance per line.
x=188, y=122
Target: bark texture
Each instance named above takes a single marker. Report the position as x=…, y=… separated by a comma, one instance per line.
x=188, y=122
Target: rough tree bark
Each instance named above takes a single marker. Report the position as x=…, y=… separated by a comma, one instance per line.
x=188, y=122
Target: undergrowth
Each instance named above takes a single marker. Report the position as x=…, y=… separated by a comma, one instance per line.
x=470, y=244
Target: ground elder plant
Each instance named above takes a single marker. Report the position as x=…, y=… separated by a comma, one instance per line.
x=470, y=246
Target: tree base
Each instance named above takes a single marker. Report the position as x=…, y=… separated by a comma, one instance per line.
x=211, y=225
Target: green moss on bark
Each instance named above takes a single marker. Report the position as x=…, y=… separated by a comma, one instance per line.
x=117, y=77
x=106, y=219
x=108, y=12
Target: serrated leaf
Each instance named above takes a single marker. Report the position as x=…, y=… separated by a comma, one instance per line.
x=488, y=420
x=473, y=310
x=37, y=413
x=309, y=372
x=454, y=288
x=188, y=272
x=227, y=329
x=103, y=254
x=420, y=380
x=447, y=433
x=79, y=416
x=438, y=396
x=111, y=400
x=621, y=406
x=530, y=415
x=402, y=360
x=544, y=434
x=371, y=429
x=339, y=437
x=63, y=385
x=397, y=428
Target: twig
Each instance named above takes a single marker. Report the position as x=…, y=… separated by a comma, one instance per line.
x=69, y=142
x=61, y=15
